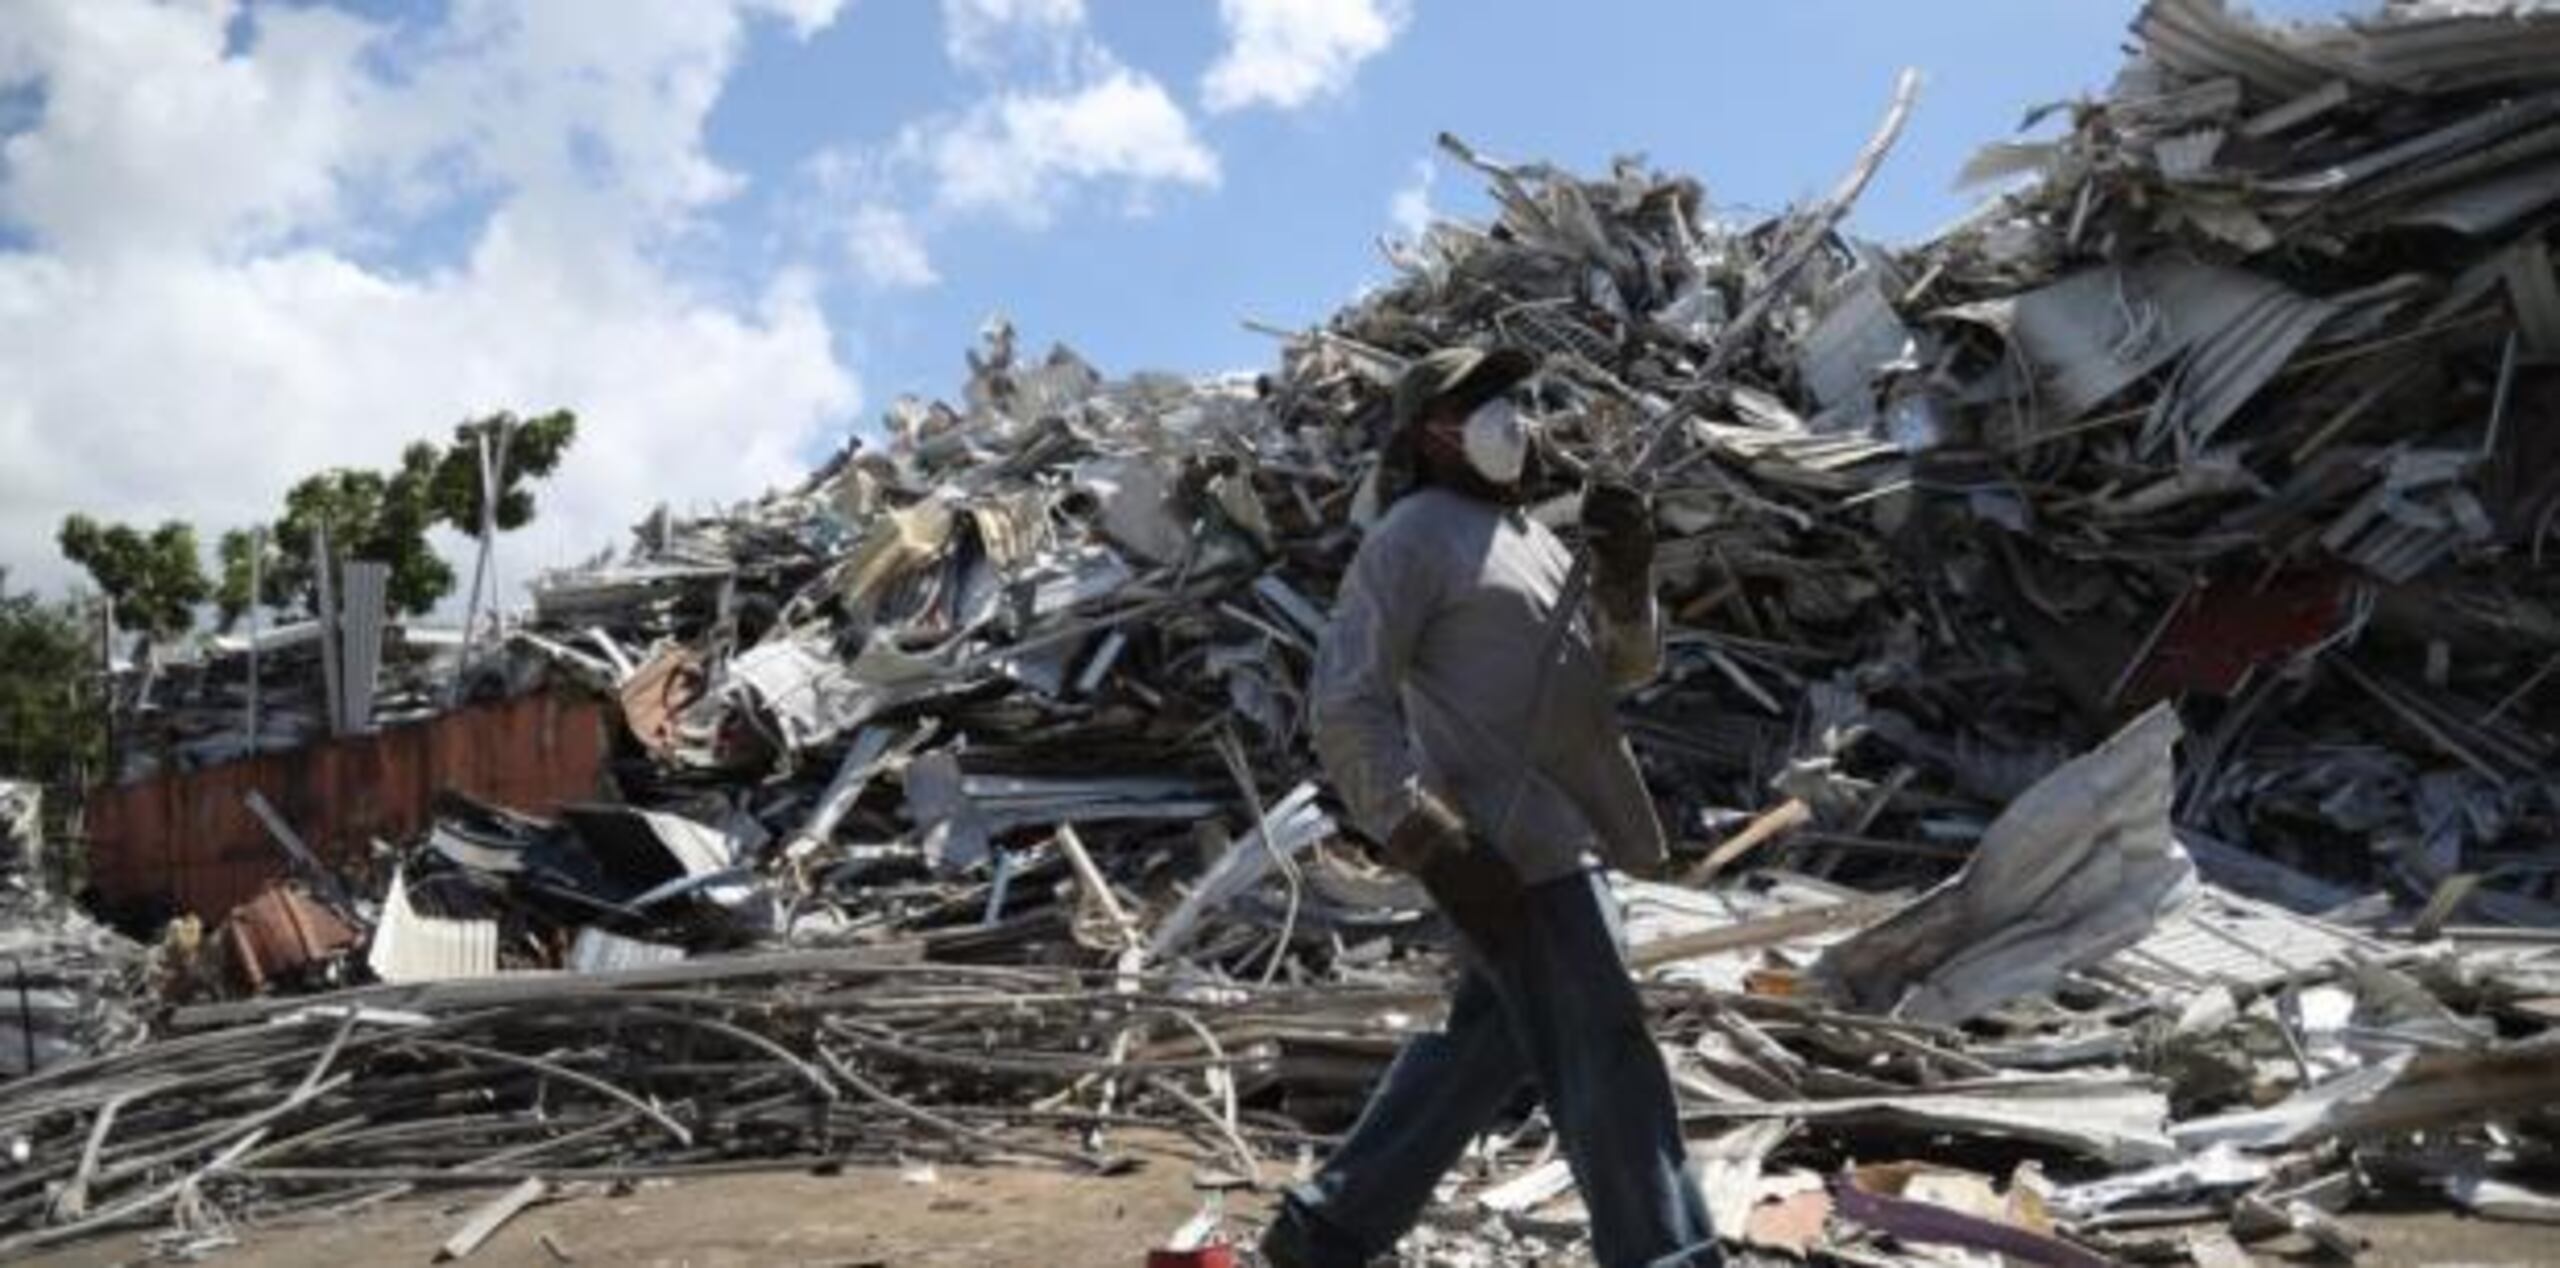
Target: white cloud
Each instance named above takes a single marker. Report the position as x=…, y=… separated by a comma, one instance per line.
x=886, y=250
x=1017, y=155
x=1287, y=53
x=983, y=34
x=198, y=313
x=1410, y=207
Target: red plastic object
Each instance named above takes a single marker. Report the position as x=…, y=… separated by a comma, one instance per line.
x=1218, y=1256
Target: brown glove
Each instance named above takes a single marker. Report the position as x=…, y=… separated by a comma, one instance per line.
x=1469, y=880
x=1617, y=523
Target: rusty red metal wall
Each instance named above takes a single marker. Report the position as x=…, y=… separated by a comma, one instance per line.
x=191, y=840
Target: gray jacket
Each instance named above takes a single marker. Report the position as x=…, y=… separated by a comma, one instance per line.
x=1426, y=676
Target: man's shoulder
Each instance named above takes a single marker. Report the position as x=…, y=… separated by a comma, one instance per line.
x=1410, y=535
x=1428, y=512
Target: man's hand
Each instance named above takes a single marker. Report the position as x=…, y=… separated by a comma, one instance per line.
x=1470, y=881
x=1431, y=829
x=1617, y=523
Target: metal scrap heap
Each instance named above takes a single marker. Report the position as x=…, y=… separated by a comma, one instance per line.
x=2105, y=725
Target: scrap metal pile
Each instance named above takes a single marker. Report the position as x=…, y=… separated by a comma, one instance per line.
x=965, y=803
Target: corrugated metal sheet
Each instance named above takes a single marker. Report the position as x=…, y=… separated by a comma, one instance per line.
x=596, y=951
x=2222, y=937
x=360, y=621
x=2204, y=38
x=188, y=839
x=281, y=932
x=411, y=946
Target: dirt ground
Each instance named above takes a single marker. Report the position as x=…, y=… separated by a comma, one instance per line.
x=879, y=1218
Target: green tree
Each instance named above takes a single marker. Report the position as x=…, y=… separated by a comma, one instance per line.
x=48, y=658
x=368, y=515
x=231, y=597
x=384, y=516
x=532, y=447
x=154, y=579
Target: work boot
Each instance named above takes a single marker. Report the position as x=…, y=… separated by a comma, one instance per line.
x=1297, y=1239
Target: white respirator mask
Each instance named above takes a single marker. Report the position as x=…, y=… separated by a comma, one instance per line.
x=1495, y=441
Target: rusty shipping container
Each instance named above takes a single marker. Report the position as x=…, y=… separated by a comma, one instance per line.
x=189, y=841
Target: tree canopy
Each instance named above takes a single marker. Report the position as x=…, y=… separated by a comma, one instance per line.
x=154, y=579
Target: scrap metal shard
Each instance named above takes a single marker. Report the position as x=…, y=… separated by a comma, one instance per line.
x=2077, y=868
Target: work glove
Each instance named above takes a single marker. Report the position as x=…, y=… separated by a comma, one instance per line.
x=1617, y=524
x=1467, y=878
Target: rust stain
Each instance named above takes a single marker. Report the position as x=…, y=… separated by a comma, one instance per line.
x=187, y=839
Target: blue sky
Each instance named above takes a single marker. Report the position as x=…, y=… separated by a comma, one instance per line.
x=241, y=241
x=1764, y=102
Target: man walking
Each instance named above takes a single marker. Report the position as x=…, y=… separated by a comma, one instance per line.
x=1496, y=784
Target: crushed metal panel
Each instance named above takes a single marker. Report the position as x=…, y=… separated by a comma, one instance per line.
x=805, y=694
x=2240, y=328
x=648, y=848
x=282, y=932
x=1135, y=498
x=1856, y=333
x=2486, y=206
x=411, y=946
x=2206, y=38
x=596, y=951
x=655, y=698
x=2119, y=1121
x=2222, y=938
x=2079, y=866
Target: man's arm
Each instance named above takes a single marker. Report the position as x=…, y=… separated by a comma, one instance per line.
x=1355, y=706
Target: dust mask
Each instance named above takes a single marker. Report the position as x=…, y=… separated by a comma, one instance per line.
x=1495, y=441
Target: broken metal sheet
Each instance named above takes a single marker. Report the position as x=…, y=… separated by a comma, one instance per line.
x=2404, y=1090
x=2210, y=39
x=596, y=951
x=2080, y=866
x=1068, y=582
x=808, y=697
x=2117, y=1121
x=2244, y=328
x=956, y=829
x=645, y=851
x=656, y=696
x=1787, y=917
x=2093, y=333
x=412, y=946
x=1856, y=333
x=1728, y=1169
x=362, y=615
x=2494, y=1199
x=2487, y=207
x=2223, y=938
x=283, y=932
x=2214, y=1169
x=1135, y=496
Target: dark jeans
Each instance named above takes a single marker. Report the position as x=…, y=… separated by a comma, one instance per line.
x=1554, y=1008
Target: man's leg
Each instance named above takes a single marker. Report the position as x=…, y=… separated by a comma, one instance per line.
x=1577, y=1015
x=1441, y=1090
